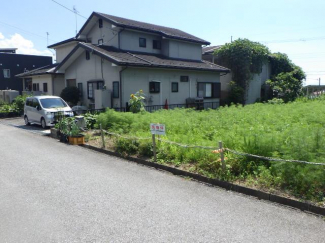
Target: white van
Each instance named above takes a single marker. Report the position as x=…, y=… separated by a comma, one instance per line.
x=41, y=110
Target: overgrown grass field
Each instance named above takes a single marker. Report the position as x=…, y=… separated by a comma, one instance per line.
x=289, y=131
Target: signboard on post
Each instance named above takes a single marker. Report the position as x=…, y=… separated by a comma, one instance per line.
x=158, y=129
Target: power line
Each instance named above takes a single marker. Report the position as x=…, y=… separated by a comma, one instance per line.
x=69, y=9
x=294, y=40
x=30, y=33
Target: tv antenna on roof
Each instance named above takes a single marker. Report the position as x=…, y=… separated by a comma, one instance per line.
x=76, y=13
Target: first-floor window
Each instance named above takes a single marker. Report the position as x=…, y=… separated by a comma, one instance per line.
x=80, y=89
x=174, y=87
x=35, y=87
x=208, y=90
x=94, y=85
x=154, y=87
x=44, y=87
x=116, y=89
x=6, y=73
x=71, y=83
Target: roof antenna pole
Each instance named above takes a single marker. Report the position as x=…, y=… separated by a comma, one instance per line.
x=76, y=12
x=47, y=39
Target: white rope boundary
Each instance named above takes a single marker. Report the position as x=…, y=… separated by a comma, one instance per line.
x=224, y=149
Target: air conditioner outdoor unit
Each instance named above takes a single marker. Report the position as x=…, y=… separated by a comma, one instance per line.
x=10, y=95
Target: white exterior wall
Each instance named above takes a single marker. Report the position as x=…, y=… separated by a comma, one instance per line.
x=129, y=40
x=44, y=79
x=64, y=50
x=58, y=84
x=85, y=70
x=109, y=35
x=254, y=87
x=135, y=79
x=185, y=50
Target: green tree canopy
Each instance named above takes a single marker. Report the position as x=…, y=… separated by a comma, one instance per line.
x=286, y=77
x=244, y=58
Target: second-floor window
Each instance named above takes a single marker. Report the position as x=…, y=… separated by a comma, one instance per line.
x=156, y=44
x=6, y=73
x=142, y=42
x=100, y=42
x=87, y=55
x=100, y=23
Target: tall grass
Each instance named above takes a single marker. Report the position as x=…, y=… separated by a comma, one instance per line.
x=290, y=131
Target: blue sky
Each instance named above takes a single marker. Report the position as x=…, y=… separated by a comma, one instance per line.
x=295, y=27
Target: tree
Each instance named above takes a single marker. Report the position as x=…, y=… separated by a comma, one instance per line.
x=70, y=95
x=286, y=77
x=245, y=58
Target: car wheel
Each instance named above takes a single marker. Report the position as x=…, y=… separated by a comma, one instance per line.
x=26, y=121
x=43, y=123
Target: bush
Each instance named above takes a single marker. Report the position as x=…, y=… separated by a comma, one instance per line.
x=70, y=95
x=294, y=130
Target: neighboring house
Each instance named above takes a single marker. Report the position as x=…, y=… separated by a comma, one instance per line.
x=12, y=64
x=113, y=57
x=256, y=89
x=43, y=80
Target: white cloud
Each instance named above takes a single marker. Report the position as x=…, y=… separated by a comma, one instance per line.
x=24, y=46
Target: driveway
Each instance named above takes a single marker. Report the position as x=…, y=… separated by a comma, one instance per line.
x=53, y=192
x=20, y=123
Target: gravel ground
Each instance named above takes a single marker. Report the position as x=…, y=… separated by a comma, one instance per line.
x=53, y=192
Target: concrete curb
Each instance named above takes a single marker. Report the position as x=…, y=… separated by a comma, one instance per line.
x=223, y=184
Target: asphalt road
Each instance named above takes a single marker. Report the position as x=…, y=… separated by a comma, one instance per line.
x=53, y=192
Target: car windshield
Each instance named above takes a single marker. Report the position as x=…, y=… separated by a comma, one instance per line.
x=53, y=103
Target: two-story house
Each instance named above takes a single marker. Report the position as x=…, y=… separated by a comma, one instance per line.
x=12, y=64
x=257, y=88
x=113, y=57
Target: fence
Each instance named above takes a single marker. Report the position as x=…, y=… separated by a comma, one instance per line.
x=218, y=149
x=196, y=106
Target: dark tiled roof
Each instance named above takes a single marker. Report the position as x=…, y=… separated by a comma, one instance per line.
x=65, y=41
x=124, y=58
x=39, y=71
x=209, y=49
x=164, y=31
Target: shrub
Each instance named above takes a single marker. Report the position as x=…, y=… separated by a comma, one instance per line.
x=70, y=95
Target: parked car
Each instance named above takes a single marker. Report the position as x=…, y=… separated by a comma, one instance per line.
x=43, y=109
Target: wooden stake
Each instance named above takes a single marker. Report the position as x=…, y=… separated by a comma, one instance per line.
x=154, y=147
x=102, y=134
x=222, y=157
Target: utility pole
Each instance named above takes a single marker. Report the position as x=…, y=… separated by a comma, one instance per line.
x=231, y=39
x=319, y=87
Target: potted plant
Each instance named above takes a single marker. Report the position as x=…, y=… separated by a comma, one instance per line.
x=74, y=136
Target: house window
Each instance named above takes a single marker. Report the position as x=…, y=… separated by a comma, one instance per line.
x=44, y=87
x=71, y=83
x=156, y=44
x=87, y=55
x=6, y=73
x=100, y=42
x=142, y=42
x=94, y=85
x=80, y=89
x=184, y=79
x=100, y=23
x=35, y=87
x=154, y=87
x=116, y=89
x=208, y=90
x=174, y=87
